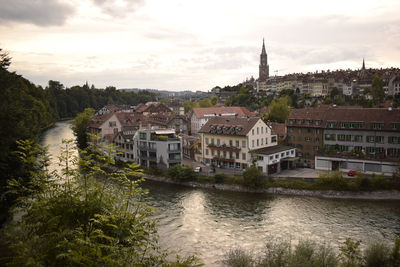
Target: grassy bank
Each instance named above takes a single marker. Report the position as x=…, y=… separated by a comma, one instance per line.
x=253, y=179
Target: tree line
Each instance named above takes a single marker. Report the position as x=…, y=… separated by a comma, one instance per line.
x=27, y=109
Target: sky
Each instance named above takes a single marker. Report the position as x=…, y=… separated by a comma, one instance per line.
x=193, y=44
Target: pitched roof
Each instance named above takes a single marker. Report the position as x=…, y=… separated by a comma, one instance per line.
x=278, y=128
x=97, y=121
x=239, y=111
x=347, y=114
x=229, y=125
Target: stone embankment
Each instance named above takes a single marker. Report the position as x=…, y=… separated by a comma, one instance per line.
x=365, y=195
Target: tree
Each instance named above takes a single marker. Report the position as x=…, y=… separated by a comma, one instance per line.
x=80, y=125
x=279, y=110
x=252, y=177
x=214, y=100
x=205, y=103
x=378, y=94
x=76, y=219
x=5, y=60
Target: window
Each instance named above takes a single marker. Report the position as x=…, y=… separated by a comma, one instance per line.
x=252, y=131
x=252, y=143
x=212, y=141
x=271, y=157
x=273, y=139
x=218, y=142
x=266, y=140
x=112, y=123
x=142, y=136
x=292, y=152
x=258, y=131
x=174, y=147
x=262, y=141
x=237, y=143
x=307, y=139
x=237, y=155
x=206, y=151
x=282, y=155
x=262, y=130
x=258, y=142
x=244, y=144
x=260, y=158
x=230, y=143
x=206, y=140
x=277, y=156
x=224, y=154
x=243, y=156
x=231, y=155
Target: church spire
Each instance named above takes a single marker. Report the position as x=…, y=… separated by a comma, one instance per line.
x=263, y=68
x=363, y=65
x=263, y=49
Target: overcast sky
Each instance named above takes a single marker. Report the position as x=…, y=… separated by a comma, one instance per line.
x=193, y=44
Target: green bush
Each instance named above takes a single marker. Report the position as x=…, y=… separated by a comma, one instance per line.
x=219, y=178
x=234, y=180
x=204, y=179
x=332, y=180
x=238, y=258
x=252, y=177
x=377, y=254
x=181, y=174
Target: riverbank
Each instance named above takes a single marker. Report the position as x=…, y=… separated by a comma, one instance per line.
x=332, y=194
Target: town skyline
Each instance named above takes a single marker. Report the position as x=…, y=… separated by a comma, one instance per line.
x=187, y=46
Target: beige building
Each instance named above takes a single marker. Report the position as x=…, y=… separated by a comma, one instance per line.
x=227, y=141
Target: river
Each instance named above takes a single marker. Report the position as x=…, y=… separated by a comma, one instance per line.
x=210, y=222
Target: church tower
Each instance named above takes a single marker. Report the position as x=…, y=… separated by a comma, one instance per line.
x=264, y=68
x=363, y=65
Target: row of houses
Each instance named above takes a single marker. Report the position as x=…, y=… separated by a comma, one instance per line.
x=332, y=137
x=347, y=82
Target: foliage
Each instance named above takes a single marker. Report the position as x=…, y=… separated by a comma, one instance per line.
x=244, y=97
x=219, y=178
x=350, y=253
x=378, y=94
x=94, y=215
x=309, y=253
x=252, y=177
x=5, y=60
x=238, y=258
x=205, y=103
x=279, y=110
x=180, y=173
x=80, y=125
x=376, y=254
x=189, y=105
x=332, y=180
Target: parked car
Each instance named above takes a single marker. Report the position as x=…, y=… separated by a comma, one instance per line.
x=351, y=173
x=197, y=169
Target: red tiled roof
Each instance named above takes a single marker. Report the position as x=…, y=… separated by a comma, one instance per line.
x=242, y=125
x=347, y=114
x=240, y=111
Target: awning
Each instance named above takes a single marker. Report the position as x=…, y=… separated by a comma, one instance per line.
x=167, y=131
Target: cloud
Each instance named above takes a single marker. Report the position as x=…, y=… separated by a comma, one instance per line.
x=118, y=8
x=38, y=12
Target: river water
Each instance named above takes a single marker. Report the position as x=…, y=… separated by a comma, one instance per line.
x=210, y=222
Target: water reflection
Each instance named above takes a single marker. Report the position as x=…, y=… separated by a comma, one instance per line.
x=212, y=222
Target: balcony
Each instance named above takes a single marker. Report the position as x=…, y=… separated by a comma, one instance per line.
x=174, y=160
x=165, y=138
x=224, y=148
x=148, y=148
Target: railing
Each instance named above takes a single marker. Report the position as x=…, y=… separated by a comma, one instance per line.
x=224, y=148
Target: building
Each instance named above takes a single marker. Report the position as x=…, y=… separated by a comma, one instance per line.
x=347, y=133
x=264, y=67
x=152, y=108
x=275, y=159
x=228, y=141
x=199, y=116
x=191, y=146
x=160, y=148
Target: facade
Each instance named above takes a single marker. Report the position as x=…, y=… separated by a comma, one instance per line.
x=191, y=146
x=350, y=132
x=227, y=142
x=275, y=159
x=199, y=116
x=160, y=148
